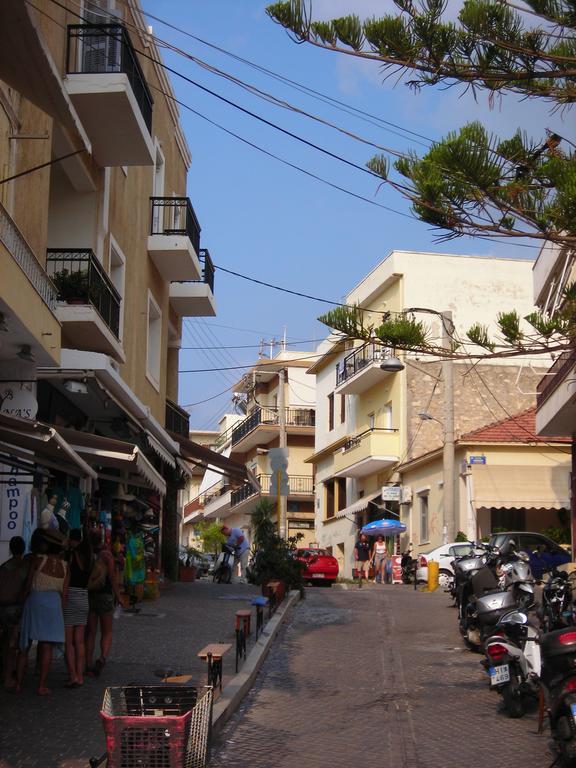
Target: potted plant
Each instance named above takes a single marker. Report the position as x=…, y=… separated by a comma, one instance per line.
x=72, y=287
x=187, y=570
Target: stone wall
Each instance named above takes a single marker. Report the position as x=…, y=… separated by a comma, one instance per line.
x=483, y=394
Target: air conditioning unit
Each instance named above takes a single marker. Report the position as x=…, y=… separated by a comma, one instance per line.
x=406, y=497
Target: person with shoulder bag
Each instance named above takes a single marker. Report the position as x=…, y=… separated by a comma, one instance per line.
x=80, y=561
x=103, y=594
x=13, y=577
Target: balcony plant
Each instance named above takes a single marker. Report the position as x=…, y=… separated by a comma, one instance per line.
x=186, y=569
x=72, y=287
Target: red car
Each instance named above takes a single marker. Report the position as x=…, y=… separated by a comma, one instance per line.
x=319, y=567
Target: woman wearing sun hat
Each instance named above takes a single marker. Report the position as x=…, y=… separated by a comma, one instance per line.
x=42, y=616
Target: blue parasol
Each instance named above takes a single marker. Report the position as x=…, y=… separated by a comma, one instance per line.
x=384, y=527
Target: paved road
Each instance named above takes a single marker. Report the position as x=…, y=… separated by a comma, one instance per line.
x=375, y=677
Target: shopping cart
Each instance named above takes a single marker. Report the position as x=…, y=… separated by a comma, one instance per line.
x=156, y=726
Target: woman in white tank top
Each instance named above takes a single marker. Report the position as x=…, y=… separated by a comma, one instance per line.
x=379, y=556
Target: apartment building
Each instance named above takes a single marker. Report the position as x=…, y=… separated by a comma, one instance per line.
x=101, y=260
x=369, y=420
x=280, y=412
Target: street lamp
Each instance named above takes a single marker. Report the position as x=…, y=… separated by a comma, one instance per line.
x=392, y=364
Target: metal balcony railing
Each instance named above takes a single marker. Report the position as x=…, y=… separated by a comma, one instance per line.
x=207, y=271
x=203, y=499
x=80, y=278
x=241, y=494
x=175, y=216
x=177, y=419
x=295, y=417
x=103, y=49
x=361, y=357
x=23, y=255
x=353, y=441
x=555, y=376
x=297, y=483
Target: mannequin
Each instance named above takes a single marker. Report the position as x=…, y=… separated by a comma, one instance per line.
x=48, y=519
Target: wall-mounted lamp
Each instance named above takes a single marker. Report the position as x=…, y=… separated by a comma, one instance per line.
x=392, y=364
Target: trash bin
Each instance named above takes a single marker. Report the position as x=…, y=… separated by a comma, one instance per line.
x=158, y=726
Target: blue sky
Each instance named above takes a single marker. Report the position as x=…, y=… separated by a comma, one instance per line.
x=266, y=220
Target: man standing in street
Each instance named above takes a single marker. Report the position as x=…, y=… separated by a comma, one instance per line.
x=237, y=541
x=362, y=557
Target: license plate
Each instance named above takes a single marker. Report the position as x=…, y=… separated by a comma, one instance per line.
x=317, y=575
x=499, y=674
x=573, y=710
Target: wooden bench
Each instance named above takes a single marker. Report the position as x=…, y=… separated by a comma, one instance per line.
x=243, y=617
x=260, y=603
x=213, y=654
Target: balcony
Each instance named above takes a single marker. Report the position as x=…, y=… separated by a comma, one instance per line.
x=211, y=500
x=109, y=91
x=262, y=426
x=299, y=485
x=195, y=298
x=361, y=370
x=89, y=304
x=555, y=398
x=367, y=452
x=177, y=419
x=174, y=240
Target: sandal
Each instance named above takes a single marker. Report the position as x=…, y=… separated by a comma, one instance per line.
x=72, y=684
x=98, y=667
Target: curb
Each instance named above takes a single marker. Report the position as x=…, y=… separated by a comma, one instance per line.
x=241, y=683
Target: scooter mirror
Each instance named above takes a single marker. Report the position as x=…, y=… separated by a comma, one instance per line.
x=514, y=617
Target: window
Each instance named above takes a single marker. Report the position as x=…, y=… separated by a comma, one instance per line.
x=342, y=409
x=330, y=510
x=387, y=416
x=154, y=342
x=423, y=502
x=330, y=412
x=371, y=421
x=341, y=493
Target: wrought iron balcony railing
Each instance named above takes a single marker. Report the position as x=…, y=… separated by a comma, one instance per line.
x=207, y=271
x=242, y=493
x=23, y=255
x=353, y=441
x=103, y=49
x=177, y=419
x=175, y=216
x=295, y=417
x=360, y=358
x=80, y=279
x=298, y=484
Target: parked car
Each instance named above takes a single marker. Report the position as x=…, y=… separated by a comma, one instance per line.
x=544, y=553
x=319, y=566
x=443, y=555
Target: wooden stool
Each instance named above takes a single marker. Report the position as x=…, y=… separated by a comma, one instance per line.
x=243, y=618
x=242, y=632
x=213, y=654
x=260, y=603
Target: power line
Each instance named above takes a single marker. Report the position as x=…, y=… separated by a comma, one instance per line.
x=254, y=346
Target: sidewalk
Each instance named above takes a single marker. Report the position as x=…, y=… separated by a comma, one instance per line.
x=63, y=730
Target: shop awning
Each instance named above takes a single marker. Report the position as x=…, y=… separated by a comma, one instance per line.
x=107, y=453
x=358, y=506
x=160, y=451
x=205, y=457
x=529, y=487
x=42, y=444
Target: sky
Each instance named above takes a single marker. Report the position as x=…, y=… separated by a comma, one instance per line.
x=273, y=223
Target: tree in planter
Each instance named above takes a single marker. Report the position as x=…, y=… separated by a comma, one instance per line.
x=71, y=286
x=273, y=555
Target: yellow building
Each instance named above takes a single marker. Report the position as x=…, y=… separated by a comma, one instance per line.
x=508, y=478
x=279, y=404
x=100, y=249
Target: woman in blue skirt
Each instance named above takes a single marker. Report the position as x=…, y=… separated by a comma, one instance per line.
x=42, y=616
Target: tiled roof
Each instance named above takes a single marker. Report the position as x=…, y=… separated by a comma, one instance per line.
x=520, y=428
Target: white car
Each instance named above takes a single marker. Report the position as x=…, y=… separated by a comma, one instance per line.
x=443, y=555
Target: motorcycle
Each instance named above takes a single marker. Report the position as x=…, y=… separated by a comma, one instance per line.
x=558, y=678
x=513, y=661
x=516, y=576
x=557, y=609
x=409, y=566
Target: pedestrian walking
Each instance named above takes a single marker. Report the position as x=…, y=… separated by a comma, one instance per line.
x=76, y=606
x=42, y=615
x=103, y=592
x=362, y=556
x=379, y=555
x=13, y=577
x=236, y=540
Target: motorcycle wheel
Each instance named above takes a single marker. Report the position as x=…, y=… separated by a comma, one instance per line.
x=513, y=701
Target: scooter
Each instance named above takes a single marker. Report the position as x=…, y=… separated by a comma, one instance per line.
x=513, y=661
x=517, y=577
x=557, y=608
x=558, y=679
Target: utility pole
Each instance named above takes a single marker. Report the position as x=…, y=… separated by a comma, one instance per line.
x=448, y=531
x=282, y=498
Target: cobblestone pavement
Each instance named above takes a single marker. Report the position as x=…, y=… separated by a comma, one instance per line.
x=63, y=730
x=375, y=677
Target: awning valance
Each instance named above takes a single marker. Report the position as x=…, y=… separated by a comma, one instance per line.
x=160, y=451
x=105, y=452
x=23, y=437
x=205, y=457
x=358, y=506
x=517, y=487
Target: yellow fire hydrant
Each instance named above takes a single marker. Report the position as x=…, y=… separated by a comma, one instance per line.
x=433, y=570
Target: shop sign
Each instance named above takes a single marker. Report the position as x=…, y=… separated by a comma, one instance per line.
x=391, y=493
x=396, y=569
x=19, y=401
x=477, y=459
x=15, y=489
